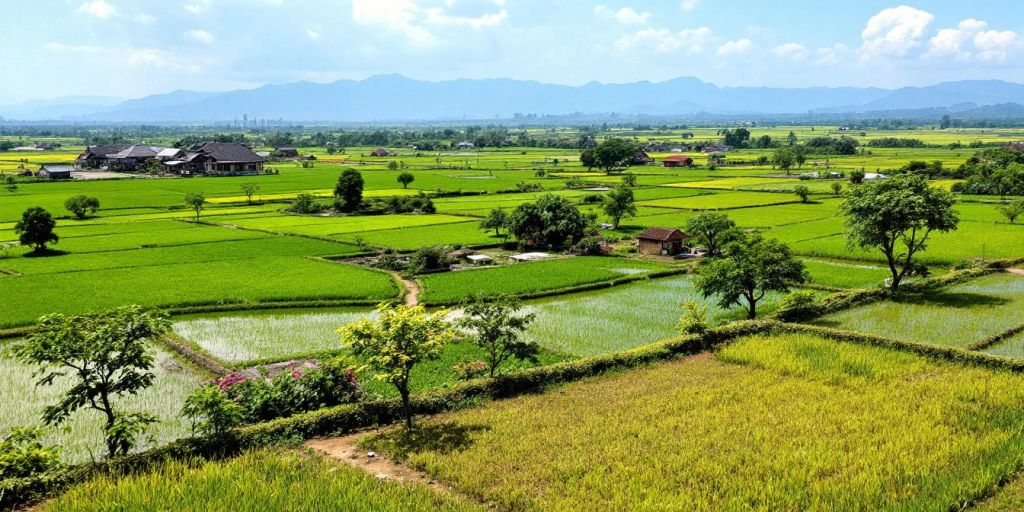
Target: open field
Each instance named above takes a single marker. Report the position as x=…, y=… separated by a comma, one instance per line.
x=855, y=435
x=275, y=479
x=841, y=274
x=22, y=402
x=524, y=278
x=958, y=316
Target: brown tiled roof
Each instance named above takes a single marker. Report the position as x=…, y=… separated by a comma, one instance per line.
x=663, y=234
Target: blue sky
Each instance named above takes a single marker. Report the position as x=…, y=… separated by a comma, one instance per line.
x=132, y=48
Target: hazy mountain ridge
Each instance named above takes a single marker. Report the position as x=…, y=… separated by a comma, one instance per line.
x=396, y=98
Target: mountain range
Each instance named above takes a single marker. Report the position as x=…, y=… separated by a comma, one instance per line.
x=392, y=98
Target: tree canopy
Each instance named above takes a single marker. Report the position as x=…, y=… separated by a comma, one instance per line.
x=619, y=203
x=711, y=230
x=615, y=153
x=897, y=215
x=550, y=222
x=754, y=267
x=82, y=205
x=496, y=325
x=35, y=229
x=349, y=190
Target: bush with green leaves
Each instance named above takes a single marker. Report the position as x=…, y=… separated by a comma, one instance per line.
x=495, y=325
x=239, y=398
x=82, y=205
x=694, y=320
x=430, y=258
x=35, y=229
x=306, y=204
x=22, y=454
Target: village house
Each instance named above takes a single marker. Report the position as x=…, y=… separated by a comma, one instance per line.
x=212, y=158
x=661, y=241
x=465, y=145
x=224, y=159
x=641, y=158
x=62, y=173
x=677, y=161
x=285, y=152
x=96, y=156
x=381, y=152
x=716, y=148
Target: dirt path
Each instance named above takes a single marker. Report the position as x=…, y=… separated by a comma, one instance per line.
x=1017, y=271
x=412, y=291
x=345, y=450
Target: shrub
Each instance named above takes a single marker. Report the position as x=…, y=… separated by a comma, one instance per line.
x=81, y=205
x=305, y=203
x=211, y=411
x=22, y=454
x=694, y=319
x=798, y=299
x=589, y=246
x=469, y=370
x=429, y=258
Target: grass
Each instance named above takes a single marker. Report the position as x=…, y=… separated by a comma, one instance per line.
x=840, y=274
x=330, y=226
x=1011, y=347
x=273, y=479
x=409, y=239
x=524, y=278
x=22, y=402
x=623, y=317
x=723, y=200
x=257, y=278
x=771, y=423
x=957, y=316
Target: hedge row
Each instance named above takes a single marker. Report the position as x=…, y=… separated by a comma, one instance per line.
x=348, y=418
x=992, y=340
x=951, y=354
x=584, y=287
x=193, y=354
x=846, y=300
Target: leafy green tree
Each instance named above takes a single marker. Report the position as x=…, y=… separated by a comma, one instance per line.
x=11, y=184
x=496, y=326
x=619, y=203
x=393, y=165
x=802, y=192
x=496, y=220
x=856, y=177
x=897, y=215
x=800, y=156
x=550, y=222
x=35, y=229
x=349, y=190
x=588, y=158
x=711, y=230
x=106, y=356
x=212, y=412
x=196, y=201
x=629, y=180
x=250, y=189
x=22, y=454
x=615, y=153
x=406, y=178
x=715, y=160
x=784, y=158
x=82, y=205
x=305, y=203
x=755, y=266
x=1013, y=210
x=837, y=189
x=400, y=338
x=791, y=138
x=694, y=319
x=429, y=258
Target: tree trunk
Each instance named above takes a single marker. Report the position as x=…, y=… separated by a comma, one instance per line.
x=406, y=408
x=109, y=412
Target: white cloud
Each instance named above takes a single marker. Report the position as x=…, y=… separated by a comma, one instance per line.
x=689, y=5
x=733, y=47
x=665, y=41
x=970, y=40
x=625, y=15
x=98, y=8
x=408, y=18
x=199, y=36
x=143, y=18
x=313, y=33
x=197, y=6
x=792, y=51
x=71, y=48
x=135, y=57
x=894, y=31
x=830, y=54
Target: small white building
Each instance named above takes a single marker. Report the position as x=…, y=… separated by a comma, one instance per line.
x=530, y=256
x=465, y=145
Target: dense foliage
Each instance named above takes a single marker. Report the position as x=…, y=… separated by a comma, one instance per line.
x=550, y=222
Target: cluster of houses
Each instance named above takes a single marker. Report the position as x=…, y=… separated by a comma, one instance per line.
x=209, y=158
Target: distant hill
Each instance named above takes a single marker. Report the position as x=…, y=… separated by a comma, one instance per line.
x=385, y=98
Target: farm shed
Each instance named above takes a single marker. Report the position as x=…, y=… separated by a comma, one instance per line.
x=479, y=259
x=641, y=158
x=63, y=173
x=465, y=145
x=285, y=152
x=716, y=148
x=529, y=256
x=661, y=241
x=677, y=161
x=381, y=152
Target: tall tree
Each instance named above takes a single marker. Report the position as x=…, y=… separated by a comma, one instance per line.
x=106, y=357
x=712, y=230
x=755, y=266
x=82, y=205
x=400, y=338
x=550, y=222
x=349, y=190
x=496, y=326
x=36, y=229
x=896, y=216
x=196, y=201
x=1013, y=210
x=615, y=153
x=250, y=189
x=406, y=178
x=496, y=220
x=11, y=184
x=784, y=158
x=619, y=203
